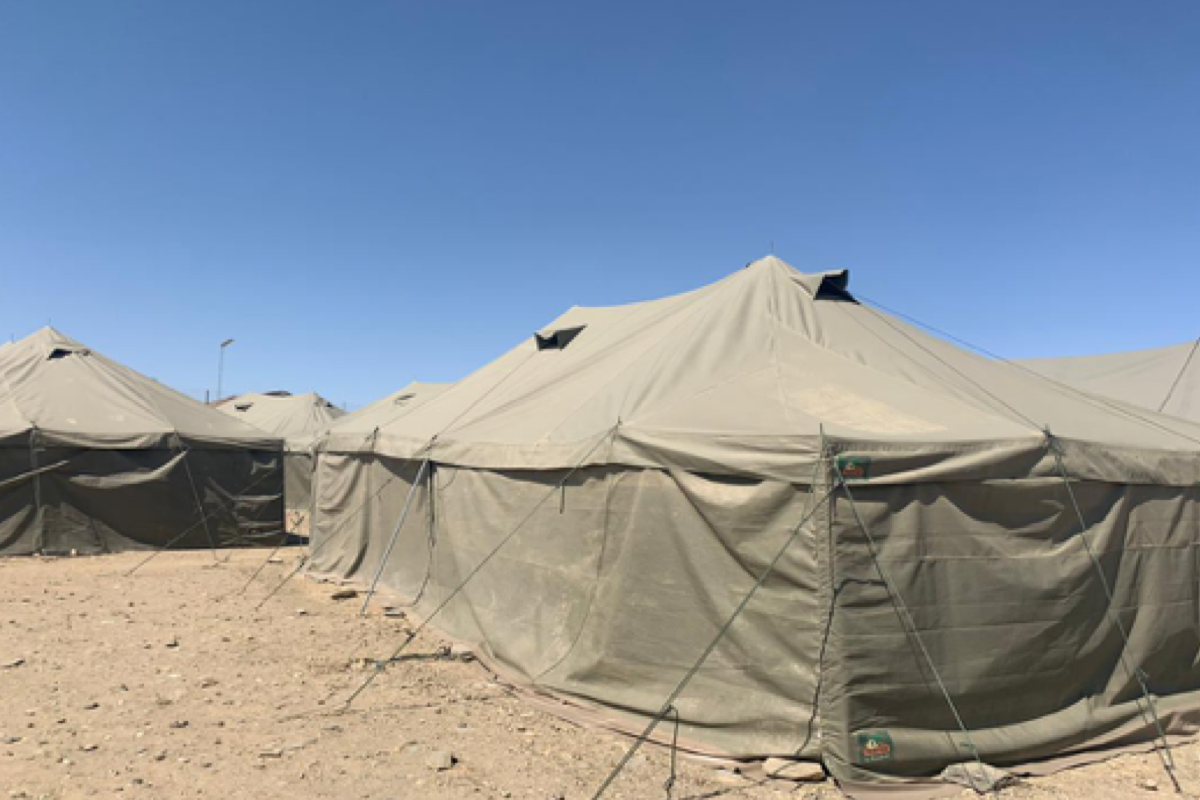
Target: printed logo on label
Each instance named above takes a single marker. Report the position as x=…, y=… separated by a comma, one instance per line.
x=855, y=468
x=875, y=746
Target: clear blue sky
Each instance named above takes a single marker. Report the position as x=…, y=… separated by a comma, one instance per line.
x=364, y=193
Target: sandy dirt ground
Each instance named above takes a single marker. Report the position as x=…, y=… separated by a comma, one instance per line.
x=170, y=683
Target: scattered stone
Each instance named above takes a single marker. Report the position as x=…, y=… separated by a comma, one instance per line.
x=92, y=706
x=461, y=653
x=274, y=752
x=300, y=612
x=90, y=747
x=344, y=594
x=161, y=755
x=179, y=723
x=11, y=663
x=172, y=642
x=1149, y=784
x=791, y=770
x=392, y=611
x=274, y=560
x=208, y=683
x=440, y=760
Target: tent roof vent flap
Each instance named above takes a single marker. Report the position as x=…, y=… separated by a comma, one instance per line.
x=62, y=352
x=557, y=340
x=833, y=285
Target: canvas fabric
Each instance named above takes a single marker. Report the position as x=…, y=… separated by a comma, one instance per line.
x=95, y=457
x=691, y=433
x=297, y=419
x=1165, y=379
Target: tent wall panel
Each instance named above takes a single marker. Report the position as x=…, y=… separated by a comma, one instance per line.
x=611, y=589
x=242, y=494
x=297, y=483
x=357, y=501
x=1013, y=613
x=112, y=500
x=18, y=512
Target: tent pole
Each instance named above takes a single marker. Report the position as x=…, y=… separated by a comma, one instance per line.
x=387, y=553
x=1164, y=751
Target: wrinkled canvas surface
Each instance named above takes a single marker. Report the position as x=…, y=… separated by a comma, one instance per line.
x=697, y=428
x=95, y=457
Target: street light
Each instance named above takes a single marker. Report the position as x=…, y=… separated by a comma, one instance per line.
x=221, y=367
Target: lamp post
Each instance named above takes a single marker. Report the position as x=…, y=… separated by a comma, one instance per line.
x=221, y=367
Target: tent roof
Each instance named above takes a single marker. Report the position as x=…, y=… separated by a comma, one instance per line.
x=1163, y=379
x=75, y=396
x=295, y=417
x=744, y=375
x=360, y=425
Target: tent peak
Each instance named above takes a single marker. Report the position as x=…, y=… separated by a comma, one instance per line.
x=827, y=285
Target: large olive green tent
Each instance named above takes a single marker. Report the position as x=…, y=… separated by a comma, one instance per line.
x=595, y=504
x=95, y=457
x=296, y=418
x=1165, y=379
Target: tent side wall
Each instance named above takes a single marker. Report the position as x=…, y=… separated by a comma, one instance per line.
x=242, y=491
x=18, y=508
x=1013, y=613
x=110, y=500
x=297, y=480
x=608, y=593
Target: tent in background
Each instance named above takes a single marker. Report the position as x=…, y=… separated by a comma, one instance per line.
x=296, y=418
x=363, y=425
x=639, y=466
x=1165, y=379
x=368, y=420
x=95, y=457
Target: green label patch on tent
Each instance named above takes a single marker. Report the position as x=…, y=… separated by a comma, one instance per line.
x=855, y=468
x=875, y=746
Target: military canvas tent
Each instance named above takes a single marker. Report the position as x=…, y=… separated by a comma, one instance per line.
x=596, y=503
x=95, y=457
x=298, y=419
x=1165, y=379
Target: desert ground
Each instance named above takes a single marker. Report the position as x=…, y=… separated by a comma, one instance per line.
x=170, y=683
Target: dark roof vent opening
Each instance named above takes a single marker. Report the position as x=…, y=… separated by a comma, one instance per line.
x=243, y=406
x=829, y=286
x=63, y=352
x=404, y=398
x=557, y=340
